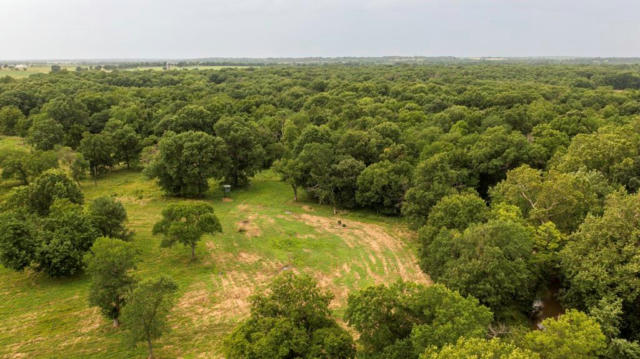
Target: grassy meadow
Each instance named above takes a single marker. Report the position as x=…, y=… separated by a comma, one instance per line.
x=31, y=70
x=264, y=233
x=42, y=69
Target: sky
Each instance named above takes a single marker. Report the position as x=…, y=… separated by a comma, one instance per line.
x=158, y=29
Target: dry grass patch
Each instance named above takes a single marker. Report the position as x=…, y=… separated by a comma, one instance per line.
x=379, y=246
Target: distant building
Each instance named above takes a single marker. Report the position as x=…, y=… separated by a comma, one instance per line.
x=167, y=66
x=21, y=67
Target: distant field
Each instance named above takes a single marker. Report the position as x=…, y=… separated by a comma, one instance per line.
x=265, y=233
x=46, y=69
x=30, y=71
x=160, y=68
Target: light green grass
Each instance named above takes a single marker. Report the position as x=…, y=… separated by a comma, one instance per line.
x=40, y=69
x=72, y=67
x=46, y=318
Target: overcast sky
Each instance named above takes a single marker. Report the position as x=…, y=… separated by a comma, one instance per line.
x=90, y=29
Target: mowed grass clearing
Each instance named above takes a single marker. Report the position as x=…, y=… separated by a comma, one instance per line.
x=265, y=233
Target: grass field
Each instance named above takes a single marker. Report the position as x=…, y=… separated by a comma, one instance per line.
x=46, y=69
x=31, y=70
x=265, y=233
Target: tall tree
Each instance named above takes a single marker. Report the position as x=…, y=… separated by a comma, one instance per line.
x=66, y=235
x=291, y=320
x=109, y=216
x=186, y=161
x=126, y=142
x=9, y=118
x=382, y=186
x=98, y=149
x=71, y=114
x=148, y=305
x=45, y=133
x=109, y=263
x=25, y=166
x=186, y=224
x=18, y=242
x=243, y=148
x=490, y=261
x=562, y=198
x=466, y=348
x=404, y=319
x=50, y=186
x=600, y=260
x=571, y=335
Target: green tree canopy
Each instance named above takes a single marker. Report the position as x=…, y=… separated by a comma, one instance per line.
x=50, y=186
x=186, y=161
x=18, y=242
x=244, y=149
x=382, y=186
x=600, y=260
x=404, y=319
x=125, y=141
x=148, y=305
x=186, y=224
x=98, y=149
x=45, y=134
x=25, y=166
x=291, y=320
x=10, y=116
x=562, y=198
x=66, y=235
x=490, y=261
x=466, y=348
x=612, y=150
x=109, y=216
x=109, y=263
x=572, y=335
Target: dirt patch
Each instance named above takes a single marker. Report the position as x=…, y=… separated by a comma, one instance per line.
x=227, y=199
x=307, y=208
x=236, y=287
x=195, y=305
x=91, y=320
x=249, y=227
x=306, y=236
x=245, y=257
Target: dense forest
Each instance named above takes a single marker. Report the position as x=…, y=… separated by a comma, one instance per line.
x=520, y=179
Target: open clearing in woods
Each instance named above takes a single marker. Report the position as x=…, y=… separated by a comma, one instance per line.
x=265, y=233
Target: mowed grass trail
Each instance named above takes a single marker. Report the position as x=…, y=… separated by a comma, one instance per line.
x=265, y=233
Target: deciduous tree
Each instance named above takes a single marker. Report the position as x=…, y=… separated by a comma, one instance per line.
x=148, y=305
x=291, y=320
x=186, y=161
x=109, y=216
x=186, y=224
x=109, y=263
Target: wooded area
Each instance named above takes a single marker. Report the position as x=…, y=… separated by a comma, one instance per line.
x=520, y=180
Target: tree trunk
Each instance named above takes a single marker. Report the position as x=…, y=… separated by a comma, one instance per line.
x=150, y=349
x=193, y=252
x=335, y=211
x=295, y=193
x=116, y=323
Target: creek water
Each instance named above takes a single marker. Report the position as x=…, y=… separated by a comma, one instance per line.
x=548, y=306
